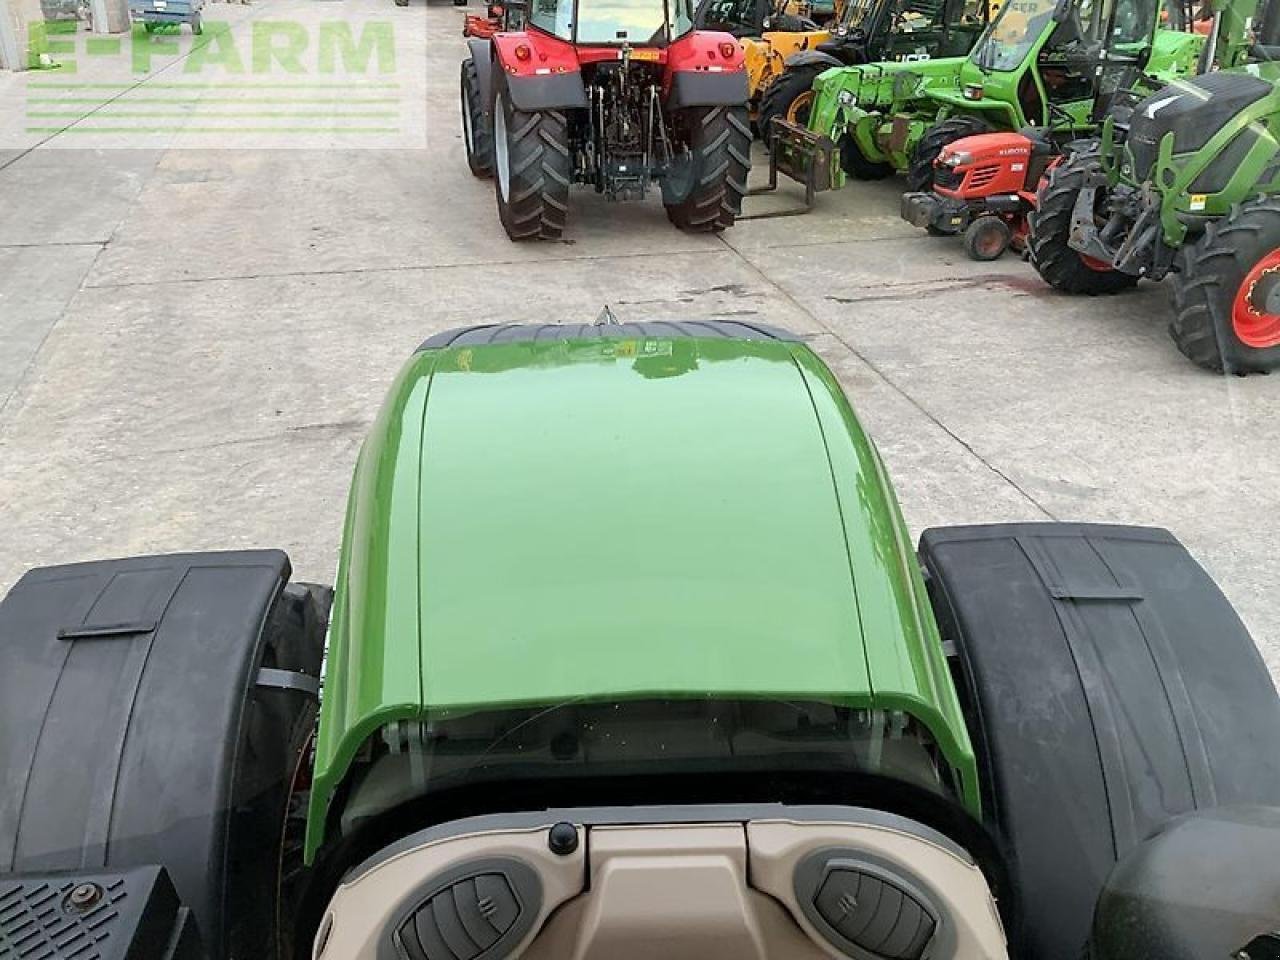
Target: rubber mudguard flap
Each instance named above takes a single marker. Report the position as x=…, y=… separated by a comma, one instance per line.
x=1111, y=686
x=128, y=693
x=120, y=915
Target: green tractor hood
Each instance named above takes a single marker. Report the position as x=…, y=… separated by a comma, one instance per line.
x=636, y=511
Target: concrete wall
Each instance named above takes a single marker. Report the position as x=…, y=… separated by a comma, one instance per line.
x=109, y=16
x=14, y=15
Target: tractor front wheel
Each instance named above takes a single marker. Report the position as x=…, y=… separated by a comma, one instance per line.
x=1059, y=265
x=856, y=164
x=703, y=191
x=1226, y=299
x=477, y=132
x=789, y=97
x=532, y=167
x=920, y=173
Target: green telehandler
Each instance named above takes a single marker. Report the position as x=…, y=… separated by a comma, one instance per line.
x=1039, y=65
x=1184, y=184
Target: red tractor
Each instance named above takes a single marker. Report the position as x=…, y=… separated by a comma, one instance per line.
x=620, y=95
x=984, y=187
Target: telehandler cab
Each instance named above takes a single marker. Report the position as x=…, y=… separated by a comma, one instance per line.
x=1035, y=66
x=985, y=185
x=785, y=51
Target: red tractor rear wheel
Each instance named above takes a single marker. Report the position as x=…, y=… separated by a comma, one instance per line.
x=704, y=190
x=532, y=168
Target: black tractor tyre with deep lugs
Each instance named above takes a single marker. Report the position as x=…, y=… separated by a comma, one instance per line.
x=532, y=168
x=856, y=165
x=1058, y=264
x=477, y=131
x=1108, y=686
x=714, y=169
x=920, y=173
x=779, y=96
x=1204, y=290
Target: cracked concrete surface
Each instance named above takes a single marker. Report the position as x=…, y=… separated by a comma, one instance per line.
x=192, y=343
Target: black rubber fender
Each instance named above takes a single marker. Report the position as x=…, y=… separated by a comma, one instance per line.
x=691, y=88
x=813, y=58
x=1108, y=686
x=154, y=710
x=482, y=54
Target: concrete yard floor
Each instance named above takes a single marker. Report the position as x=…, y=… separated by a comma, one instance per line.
x=194, y=340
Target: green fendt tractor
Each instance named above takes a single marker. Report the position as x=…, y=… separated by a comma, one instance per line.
x=630, y=656
x=1185, y=184
x=1037, y=65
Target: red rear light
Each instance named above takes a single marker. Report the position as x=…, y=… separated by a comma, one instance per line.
x=523, y=52
x=727, y=50
x=495, y=10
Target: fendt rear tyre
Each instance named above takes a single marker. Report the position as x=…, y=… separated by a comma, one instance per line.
x=920, y=173
x=790, y=97
x=856, y=165
x=532, y=168
x=477, y=131
x=1226, y=298
x=1060, y=266
x=718, y=139
x=156, y=710
x=1108, y=686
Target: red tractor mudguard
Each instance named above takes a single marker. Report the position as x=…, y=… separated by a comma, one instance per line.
x=542, y=72
x=705, y=68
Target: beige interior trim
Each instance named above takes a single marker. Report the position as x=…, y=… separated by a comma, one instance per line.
x=671, y=891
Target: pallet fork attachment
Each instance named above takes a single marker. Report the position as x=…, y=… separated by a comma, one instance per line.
x=802, y=155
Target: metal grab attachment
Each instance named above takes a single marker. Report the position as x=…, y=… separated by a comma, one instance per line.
x=802, y=155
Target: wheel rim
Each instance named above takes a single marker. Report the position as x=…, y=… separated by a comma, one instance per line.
x=1255, y=314
x=798, y=110
x=467, y=134
x=501, y=162
x=990, y=241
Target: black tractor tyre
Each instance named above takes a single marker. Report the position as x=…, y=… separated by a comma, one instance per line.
x=1204, y=292
x=920, y=172
x=532, y=168
x=779, y=96
x=1107, y=686
x=477, y=130
x=1050, y=227
x=856, y=165
x=718, y=161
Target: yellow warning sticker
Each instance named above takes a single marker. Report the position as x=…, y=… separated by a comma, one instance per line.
x=1197, y=201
